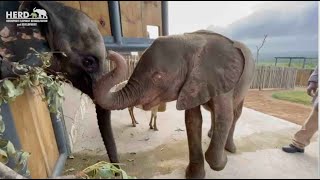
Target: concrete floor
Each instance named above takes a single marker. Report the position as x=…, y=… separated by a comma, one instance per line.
x=164, y=154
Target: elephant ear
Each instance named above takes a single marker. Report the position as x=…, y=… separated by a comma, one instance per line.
x=214, y=69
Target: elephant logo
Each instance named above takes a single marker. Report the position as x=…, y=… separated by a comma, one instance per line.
x=34, y=15
x=41, y=13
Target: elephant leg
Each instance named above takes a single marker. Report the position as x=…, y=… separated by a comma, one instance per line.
x=133, y=119
x=193, y=121
x=104, y=122
x=150, y=123
x=222, y=107
x=155, y=123
x=154, y=112
x=230, y=145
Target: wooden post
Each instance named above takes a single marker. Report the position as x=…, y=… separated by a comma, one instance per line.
x=304, y=63
x=290, y=62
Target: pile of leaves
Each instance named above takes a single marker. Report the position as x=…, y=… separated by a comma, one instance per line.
x=10, y=88
x=102, y=170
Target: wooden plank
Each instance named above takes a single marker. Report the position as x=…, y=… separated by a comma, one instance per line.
x=48, y=140
x=151, y=15
x=131, y=18
x=73, y=4
x=35, y=132
x=99, y=12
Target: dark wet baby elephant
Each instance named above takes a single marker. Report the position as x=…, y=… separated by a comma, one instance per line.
x=198, y=68
x=68, y=30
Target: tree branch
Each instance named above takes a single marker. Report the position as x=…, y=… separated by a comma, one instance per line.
x=258, y=48
x=264, y=40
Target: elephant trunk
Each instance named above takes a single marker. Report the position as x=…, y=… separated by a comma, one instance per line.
x=126, y=97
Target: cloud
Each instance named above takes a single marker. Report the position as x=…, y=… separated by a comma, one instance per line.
x=290, y=26
x=285, y=19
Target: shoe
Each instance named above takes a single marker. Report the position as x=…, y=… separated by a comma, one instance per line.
x=292, y=149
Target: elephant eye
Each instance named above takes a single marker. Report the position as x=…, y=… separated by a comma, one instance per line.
x=89, y=63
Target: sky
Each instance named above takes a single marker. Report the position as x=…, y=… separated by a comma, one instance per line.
x=291, y=26
x=187, y=16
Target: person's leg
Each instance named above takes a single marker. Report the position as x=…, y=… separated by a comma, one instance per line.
x=302, y=137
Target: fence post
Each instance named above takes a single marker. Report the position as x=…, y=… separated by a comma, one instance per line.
x=276, y=62
x=304, y=63
x=290, y=62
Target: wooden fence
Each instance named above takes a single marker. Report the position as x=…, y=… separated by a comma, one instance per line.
x=302, y=77
x=274, y=77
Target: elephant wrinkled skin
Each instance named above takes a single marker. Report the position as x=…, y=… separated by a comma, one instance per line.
x=198, y=68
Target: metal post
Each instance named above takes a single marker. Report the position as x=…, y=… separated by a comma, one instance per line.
x=165, y=19
x=115, y=22
x=276, y=62
x=304, y=63
x=62, y=143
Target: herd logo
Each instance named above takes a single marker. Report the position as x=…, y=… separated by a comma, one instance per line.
x=24, y=18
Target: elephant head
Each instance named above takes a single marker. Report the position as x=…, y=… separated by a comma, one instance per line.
x=71, y=31
x=190, y=68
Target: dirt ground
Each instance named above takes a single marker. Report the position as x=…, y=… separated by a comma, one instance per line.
x=166, y=151
x=263, y=102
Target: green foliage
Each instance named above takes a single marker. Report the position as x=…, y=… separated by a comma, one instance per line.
x=300, y=97
x=14, y=87
x=105, y=170
x=36, y=76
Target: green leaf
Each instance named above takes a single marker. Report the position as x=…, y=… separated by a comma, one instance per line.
x=3, y=157
x=19, y=91
x=10, y=149
x=124, y=174
x=21, y=160
x=105, y=172
x=9, y=86
x=24, y=158
x=60, y=91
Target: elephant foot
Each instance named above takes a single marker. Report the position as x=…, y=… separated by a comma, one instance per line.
x=216, y=163
x=151, y=127
x=155, y=129
x=195, y=171
x=231, y=147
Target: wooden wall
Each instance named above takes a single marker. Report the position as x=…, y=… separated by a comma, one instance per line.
x=135, y=16
x=34, y=127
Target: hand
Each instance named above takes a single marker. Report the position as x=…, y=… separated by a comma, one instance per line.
x=312, y=88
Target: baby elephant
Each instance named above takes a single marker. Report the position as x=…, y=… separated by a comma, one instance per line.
x=154, y=110
x=196, y=69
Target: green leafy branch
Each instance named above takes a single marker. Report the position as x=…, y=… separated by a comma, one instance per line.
x=10, y=88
